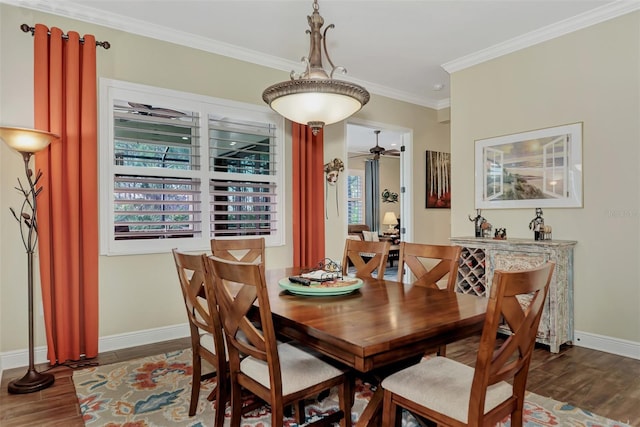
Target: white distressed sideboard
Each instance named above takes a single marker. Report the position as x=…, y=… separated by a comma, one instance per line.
x=480, y=257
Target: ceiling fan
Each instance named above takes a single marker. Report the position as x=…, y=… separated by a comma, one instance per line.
x=378, y=151
x=150, y=110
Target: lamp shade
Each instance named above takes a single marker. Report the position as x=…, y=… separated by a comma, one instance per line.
x=390, y=219
x=26, y=140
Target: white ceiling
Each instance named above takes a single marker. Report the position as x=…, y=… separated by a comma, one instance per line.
x=397, y=48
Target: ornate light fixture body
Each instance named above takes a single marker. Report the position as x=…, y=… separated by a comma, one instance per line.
x=314, y=97
x=27, y=142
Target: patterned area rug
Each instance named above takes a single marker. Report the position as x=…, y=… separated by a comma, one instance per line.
x=155, y=391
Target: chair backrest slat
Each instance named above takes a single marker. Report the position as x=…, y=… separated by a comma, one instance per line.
x=242, y=250
x=416, y=256
x=367, y=257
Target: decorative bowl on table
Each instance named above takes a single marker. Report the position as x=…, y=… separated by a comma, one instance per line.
x=301, y=285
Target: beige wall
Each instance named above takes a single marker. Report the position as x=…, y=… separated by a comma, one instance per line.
x=590, y=76
x=126, y=281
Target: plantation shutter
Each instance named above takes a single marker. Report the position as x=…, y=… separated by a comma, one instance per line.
x=156, y=158
x=242, y=159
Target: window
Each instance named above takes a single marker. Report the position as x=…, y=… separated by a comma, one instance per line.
x=355, y=197
x=178, y=169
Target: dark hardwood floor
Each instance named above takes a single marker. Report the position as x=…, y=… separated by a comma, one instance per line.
x=603, y=383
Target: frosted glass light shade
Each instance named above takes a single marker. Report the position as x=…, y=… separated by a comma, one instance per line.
x=316, y=102
x=26, y=140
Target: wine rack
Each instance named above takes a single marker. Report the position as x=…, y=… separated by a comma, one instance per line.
x=471, y=272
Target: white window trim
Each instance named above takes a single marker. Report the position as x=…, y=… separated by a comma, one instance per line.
x=360, y=173
x=115, y=89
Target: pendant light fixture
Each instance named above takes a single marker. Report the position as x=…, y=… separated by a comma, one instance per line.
x=314, y=97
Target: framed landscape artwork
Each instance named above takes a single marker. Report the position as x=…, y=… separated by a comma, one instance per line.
x=438, y=193
x=535, y=169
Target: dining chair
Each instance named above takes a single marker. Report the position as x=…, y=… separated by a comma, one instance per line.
x=450, y=393
x=281, y=374
x=207, y=340
x=429, y=264
x=367, y=257
x=244, y=250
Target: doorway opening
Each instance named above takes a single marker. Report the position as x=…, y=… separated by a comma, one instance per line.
x=390, y=147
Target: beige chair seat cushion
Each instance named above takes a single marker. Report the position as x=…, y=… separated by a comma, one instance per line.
x=370, y=236
x=206, y=340
x=443, y=385
x=300, y=369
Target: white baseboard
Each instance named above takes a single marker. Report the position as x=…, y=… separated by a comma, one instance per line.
x=149, y=336
x=607, y=344
x=18, y=358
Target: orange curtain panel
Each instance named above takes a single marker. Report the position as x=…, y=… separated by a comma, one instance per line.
x=308, y=196
x=66, y=104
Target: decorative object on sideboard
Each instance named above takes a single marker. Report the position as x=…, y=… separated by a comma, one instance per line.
x=313, y=97
x=540, y=230
x=500, y=234
x=482, y=227
x=486, y=229
x=332, y=169
x=27, y=142
x=389, y=196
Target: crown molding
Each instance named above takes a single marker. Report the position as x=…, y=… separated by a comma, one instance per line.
x=135, y=26
x=399, y=95
x=123, y=23
x=443, y=103
x=578, y=22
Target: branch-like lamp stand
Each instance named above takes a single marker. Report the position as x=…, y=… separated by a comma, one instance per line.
x=27, y=142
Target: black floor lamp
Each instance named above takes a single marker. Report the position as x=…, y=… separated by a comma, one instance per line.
x=27, y=142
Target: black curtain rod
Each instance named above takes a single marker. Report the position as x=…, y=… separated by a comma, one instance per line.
x=28, y=29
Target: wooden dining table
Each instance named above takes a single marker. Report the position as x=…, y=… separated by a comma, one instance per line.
x=376, y=326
